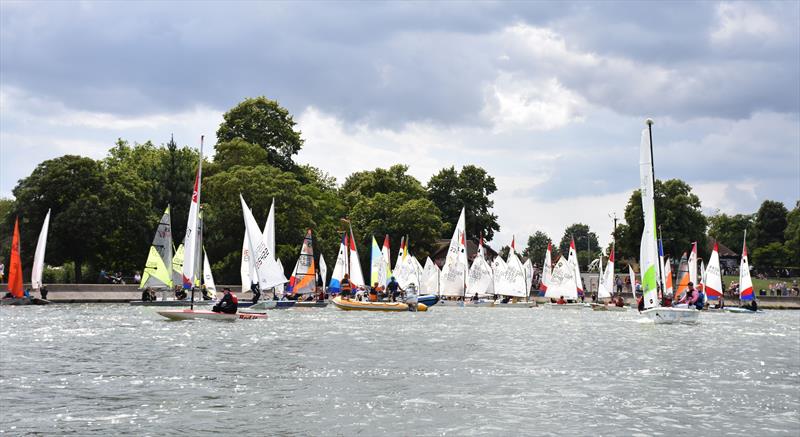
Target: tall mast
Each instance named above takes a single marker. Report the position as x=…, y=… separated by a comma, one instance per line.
x=650, y=122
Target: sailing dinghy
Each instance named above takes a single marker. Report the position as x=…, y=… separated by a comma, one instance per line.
x=648, y=252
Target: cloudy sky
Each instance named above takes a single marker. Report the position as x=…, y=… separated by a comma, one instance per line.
x=550, y=98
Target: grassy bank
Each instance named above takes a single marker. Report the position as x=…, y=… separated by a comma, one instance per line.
x=759, y=284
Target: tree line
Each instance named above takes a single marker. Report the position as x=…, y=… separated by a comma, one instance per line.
x=104, y=212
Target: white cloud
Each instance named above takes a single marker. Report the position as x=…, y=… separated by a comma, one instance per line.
x=518, y=103
x=742, y=19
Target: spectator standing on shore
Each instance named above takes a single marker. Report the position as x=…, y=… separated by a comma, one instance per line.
x=2, y=271
x=619, y=284
x=137, y=278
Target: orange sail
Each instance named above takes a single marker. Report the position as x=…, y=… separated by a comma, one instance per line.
x=683, y=277
x=15, y=266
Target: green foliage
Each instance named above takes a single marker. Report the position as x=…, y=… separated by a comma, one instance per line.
x=238, y=152
x=537, y=246
x=297, y=207
x=6, y=209
x=678, y=214
x=729, y=230
x=792, y=234
x=586, y=244
x=504, y=251
x=770, y=223
x=265, y=123
x=773, y=255
x=450, y=191
x=76, y=190
x=389, y=201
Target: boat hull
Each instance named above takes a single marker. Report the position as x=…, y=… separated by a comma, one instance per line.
x=182, y=303
x=284, y=304
x=208, y=315
x=668, y=315
x=739, y=310
x=566, y=306
x=24, y=301
x=468, y=304
x=515, y=304
x=428, y=299
x=354, y=305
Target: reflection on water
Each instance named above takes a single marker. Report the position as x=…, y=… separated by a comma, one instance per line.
x=115, y=369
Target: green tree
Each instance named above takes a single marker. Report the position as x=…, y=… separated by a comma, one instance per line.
x=678, y=213
x=75, y=189
x=729, y=229
x=366, y=184
x=773, y=255
x=298, y=207
x=504, y=251
x=6, y=210
x=792, y=234
x=537, y=246
x=450, y=191
x=265, y=123
x=586, y=251
x=389, y=201
x=770, y=223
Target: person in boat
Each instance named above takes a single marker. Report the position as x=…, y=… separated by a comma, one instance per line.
x=700, y=303
x=393, y=287
x=506, y=299
x=666, y=300
x=180, y=293
x=43, y=291
x=561, y=301
x=206, y=293
x=346, y=286
x=256, y=290
x=753, y=305
x=640, y=303
x=373, y=292
x=620, y=302
x=475, y=298
x=146, y=296
x=229, y=303
x=27, y=293
x=690, y=296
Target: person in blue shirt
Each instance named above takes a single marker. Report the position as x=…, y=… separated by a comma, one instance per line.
x=393, y=288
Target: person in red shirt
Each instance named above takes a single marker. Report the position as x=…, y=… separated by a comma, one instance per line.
x=561, y=301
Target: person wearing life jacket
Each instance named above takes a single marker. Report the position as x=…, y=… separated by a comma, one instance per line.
x=561, y=301
x=640, y=303
x=700, y=303
x=345, y=286
x=393, y=287
x=229, y=303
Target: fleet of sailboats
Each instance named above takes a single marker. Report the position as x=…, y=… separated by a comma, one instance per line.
x=189, y=265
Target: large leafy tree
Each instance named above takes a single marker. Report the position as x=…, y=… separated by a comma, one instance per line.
x=389, y=201
x=265, y=123
x=773, y=255
x=75, y=188
x=298, y=206
x=451, y=190
x=678, y=214
x=537, y=246
x=586, y=244
x=770, y=223
x=729, y=229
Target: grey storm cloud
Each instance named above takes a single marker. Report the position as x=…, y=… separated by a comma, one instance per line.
x=389, y=63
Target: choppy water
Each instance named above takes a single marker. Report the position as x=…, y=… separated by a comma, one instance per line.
x=115, y=369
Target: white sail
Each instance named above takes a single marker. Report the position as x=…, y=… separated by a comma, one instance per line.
x=713, y=277
x=268, y=271
x=340, y=267
x=323, y=271
x=454, y=273
x=247, y=268
x=480, y=280
x=632, y=276
x=208, y=278
x=573, y=260
x=280, y=270
x=387, y=258
x=269, y=230
x=547, y=269
x=377, y=266
x=356, y=275
x=38, y=257
x=498, y=270
x=693, y=265
x=528, y=266
x=192, y=239
x=607, y=282
x=648, y=251
x=430, y=279
x=511, y=281
x=405, y=271
x=562, y=281
x=745, y=283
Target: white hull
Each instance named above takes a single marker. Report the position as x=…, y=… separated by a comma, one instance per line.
x=566, y=306
x=739, y=310
x=530, y=304
x=468, y=304
x=665, y=315
x=207, y=315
